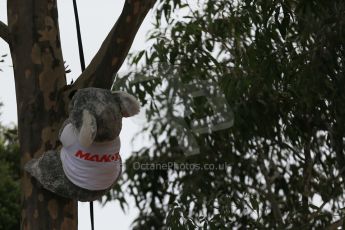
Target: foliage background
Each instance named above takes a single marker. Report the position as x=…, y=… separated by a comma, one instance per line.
x=9, y=179
x=280, y=66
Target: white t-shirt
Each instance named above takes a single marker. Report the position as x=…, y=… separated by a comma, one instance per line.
x=93, y=168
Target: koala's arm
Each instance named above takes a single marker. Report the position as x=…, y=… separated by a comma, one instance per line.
x=67, y=134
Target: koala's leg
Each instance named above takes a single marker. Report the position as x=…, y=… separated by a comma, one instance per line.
x=47, y=169
x=49, y=172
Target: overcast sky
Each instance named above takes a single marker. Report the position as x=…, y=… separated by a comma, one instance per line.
x=96, y=19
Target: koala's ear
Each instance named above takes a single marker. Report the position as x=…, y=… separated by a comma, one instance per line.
x=88, y=129
x=129, y=105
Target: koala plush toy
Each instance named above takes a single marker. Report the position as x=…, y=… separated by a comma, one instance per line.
x=88, y=163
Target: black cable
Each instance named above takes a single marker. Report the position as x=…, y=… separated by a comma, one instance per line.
x=91, y=216
x=82, y=64
x=80, y=43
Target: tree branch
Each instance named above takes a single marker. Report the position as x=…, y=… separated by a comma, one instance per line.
x=115, y=47
x=270, y=196
x=307, y=176
x=4, y=32
x=335, y=225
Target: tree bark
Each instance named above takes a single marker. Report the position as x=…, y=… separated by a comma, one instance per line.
x=41, y=91
x=39, y=75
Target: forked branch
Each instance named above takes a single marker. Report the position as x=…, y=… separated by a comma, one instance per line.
x=115, y=47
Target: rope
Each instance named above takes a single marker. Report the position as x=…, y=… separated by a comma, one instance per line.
x=82, y=65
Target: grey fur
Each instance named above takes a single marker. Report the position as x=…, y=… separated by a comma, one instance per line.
x=108, y=109
x=128, y=104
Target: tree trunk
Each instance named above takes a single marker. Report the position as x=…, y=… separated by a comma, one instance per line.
x=41, y=91
x=39, y=76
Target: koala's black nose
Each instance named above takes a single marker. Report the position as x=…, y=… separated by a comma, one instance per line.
x=105, y=123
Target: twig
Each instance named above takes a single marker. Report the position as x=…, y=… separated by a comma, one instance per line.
x=4, y=32
x=335, y=225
